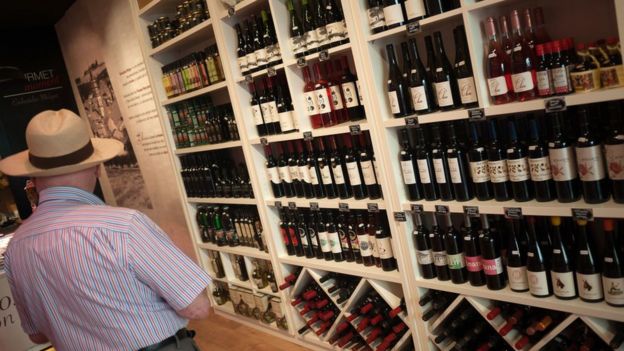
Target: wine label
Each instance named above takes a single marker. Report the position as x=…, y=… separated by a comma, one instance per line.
x=350, y=94
x=522, y=81
x=456, y=261
x=612, y=76
x=294, y=173
x=323, y=101
x=338, y=175
x=261, y=56
x=393, y=14
x=368, y=173
x=615, y=161
x=304, y=174
x=359, y=90
x=354, y=174
x=414, y=9
x=336, y=97
x=334, y=242
x=613, y=290
x=336, y=31
x=326, y=175
x=563, y=284
x=438, y=168
x=286, y=121
x=419, y=98
x=585, y=80
x=492, y=266
x=518, y=169
x=242, y=63
x=454, y=170
x=365, y=246
x=562, y=164
x=313, y=176
x=298, y=44
x=311, y=40
x=590, y=163
x=538, y=283
x=479, y=171
x=497, y=86
x=251, y=60
x=518, y=278
x=467, y=90
x=321, y=35
x=439, y=258
x=344, y=239
x=498, y=171
x=384, y=247
x=273, y=174
x=355, y=244
x=560, y=79
x=423, y=171
x=540, y=169
x=409, y=176
x=544, y=83
x=590, y=286
x=373, y=242
x=394, y=102
x=311, y=103
x=324, y=240
x=256, y=113
x=284, y=173
x=269, y=112
x=376, y=17
x=273, y=53
x=424, y=257
x=443, y=93
x=473, y=263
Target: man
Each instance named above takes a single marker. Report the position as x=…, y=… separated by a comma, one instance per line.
x=87, y=276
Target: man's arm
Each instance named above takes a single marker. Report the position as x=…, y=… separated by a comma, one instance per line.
x=198, y=309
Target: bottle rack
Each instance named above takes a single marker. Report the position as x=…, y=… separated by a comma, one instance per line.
x=367, y=61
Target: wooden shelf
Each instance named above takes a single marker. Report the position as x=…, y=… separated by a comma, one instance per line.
x=195, y=93
x=433, y=117
x=242, y=8
x=424, y=22
x=200, y=33
x=259, y=73
x=344, y=267
x=222, y=200
x=208, y=147
x=237, y=250
x=156, y=8
x=332, y=51
x=328, y=203
x=337, y=129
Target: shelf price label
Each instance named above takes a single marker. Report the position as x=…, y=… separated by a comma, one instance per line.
x=355, y=129
x=278, y=204
x=441, y=209
x=372, y=207
x=555, y=104
x=411, y=122
x=400, y=216
x=583, y=213
x=264, y=141
x=248, y=78
x=301, y=62
x=417, y=209
x=231, y=11
x=271, y=72
x=414, y=27
x=324, y=55
x=513, y=212
x=471, y=211
x=476, y=115
x=292, y=206
x=307, y=136
x=343, y=207
x=314, y=206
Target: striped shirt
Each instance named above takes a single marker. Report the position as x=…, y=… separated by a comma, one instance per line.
x=94, y=277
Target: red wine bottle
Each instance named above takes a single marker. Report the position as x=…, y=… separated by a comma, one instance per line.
x=325, y=166
x=454, y=252
x=256, y=111
x=365, y=245
x=439, y=253
x=491, y=258
x=476, y=277
x=424, y=161
x=302, y=228
x=613, y=271
x=518, y=167
x=562, y=273
x=590, y=162
x=334, y=238
x=284, y=172
x=338, y=102
x=539, y=165
x=459, y=168
x=614, y=151
x=311, y=101
x=440, y=165
x=587, y=270
x=315, y=173
x=421, y=92
x=339, y=170
x=354, y=222
x=523, y=75
x=354, y=170
x=384, y=247
x=269, y=108
x=444, y=79
x=560, y=69
x=424, y=255
x=284, y=231
x=371, y=229
x=499, y=81
x=463, y=69
x=398, y=91
x=273, y=173
x=409, y=168
x=294, y=233
x=351, y=92
x=477, y=156
x=304, y=172
x=537, y=271
x=343, y=234
x=562, y=163
x=516, y=258
x=366, y=160
x=497, y=166
x=293, y=168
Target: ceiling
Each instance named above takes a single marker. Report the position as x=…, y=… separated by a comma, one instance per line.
x=20, y=14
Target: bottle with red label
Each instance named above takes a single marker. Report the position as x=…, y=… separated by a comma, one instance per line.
x=498, y=71
x=523, y=75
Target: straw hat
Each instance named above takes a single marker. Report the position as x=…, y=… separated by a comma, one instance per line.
x=59, y=143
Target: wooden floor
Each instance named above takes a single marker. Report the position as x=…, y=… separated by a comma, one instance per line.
x=218, y=333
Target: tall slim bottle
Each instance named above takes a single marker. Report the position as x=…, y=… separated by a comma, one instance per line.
x=311, y=101
x=354, y=170
x=563, y=163
x=463, y=69
x=523, y=74
x=421, y=92
x=455, y=252
x=614, y=151
x=339, y=170
x=491, y=258
x=497, y=166
x=588, y=277
x=424, y=254
x=539, y=165
x=590, y=162
x=398, y=92
x=518, y=167
x=409, y=168
x=613, y=271
x=351, y=92
x=273, y=173
x=444, y=79
x=561, y=272
x=458, y=166
x=365, y=159
x=476, y=277
x=499, y=80
x=537, y=270
x=477, y=157
x=325, y=170
x=440, y=165
x=426, y=172
x=326, y=109
x=516, y=258
x=439, y=253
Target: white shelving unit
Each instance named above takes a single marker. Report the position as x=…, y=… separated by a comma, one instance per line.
x=367, y=59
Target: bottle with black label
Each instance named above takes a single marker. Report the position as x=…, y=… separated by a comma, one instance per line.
x=518, y=167
x=588, y=277
x=539, y=165
x=441, y=165
x=562, y=163
x=454, y=252
x=537, y=271
x=459, y=168
x=476, y=277
x=424, y=160
x=439, y=253
x=613, y=271
x=491, y=257
x=477, y=156
x=409, y=168
x=516, y=257
x=561, y=272
x=590, y=162
x=424, y=254
x=497, y=166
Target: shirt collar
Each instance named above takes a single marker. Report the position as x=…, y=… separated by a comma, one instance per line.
x=68, y=193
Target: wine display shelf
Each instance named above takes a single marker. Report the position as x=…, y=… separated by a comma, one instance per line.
x=367, y=60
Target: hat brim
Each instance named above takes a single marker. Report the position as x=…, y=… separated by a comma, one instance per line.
x=18, y=165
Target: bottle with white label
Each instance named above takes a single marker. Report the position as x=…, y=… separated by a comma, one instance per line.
x=444, y=78
x=336, y=29
x=293, y=158
x=537, y=271
x=314, y=171
x=335, y=93
x=561, y=272
x=563, y=163
x=523, y=74
x=365, y=159
x=323, y=237
x=339, y=170
x=326, y=110
x=256, y=111
x=455, y=255
x=393, y=13
x=424, y=160
x=539, y=165
x=497, y=166
x=477, y=156
x=420, y=84
x=375, y=13
x=613, y=272
x=414, y=10
x=304, y=172
x=516, y=257
x=588, y=278
x=273, y=173
x=384, y=248
x=269, y=107
x=590, y=162
x=441, y=165
x=463, y=69
x=439, y=253
x=325, y=170
x=459, y=168
x=518, y=166
x=354, y=171
x=498, y=66
x=284, y=172
x=409, y=169
x=350, y=91
x=614, y=151
x=398, y=91
x=424, y=255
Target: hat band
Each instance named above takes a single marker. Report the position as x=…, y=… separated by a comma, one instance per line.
x=64, y=160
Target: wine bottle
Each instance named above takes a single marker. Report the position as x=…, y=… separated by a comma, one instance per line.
x=518, y=167
x=590, y=162
x=241, y=55
x=420, y=86
x=384, y=247
x=477, y=157
x=354, y=221
x=335, y=24
x=614, y=151
x=458, y=166
x=537, y=271
x=343, y=234
x=365, y=159
x=351, y=92
x=414, y=10
x=434, y=7
x=297, y=32
x=398, y=95
x=269, y=108
x=424, y=161
x=324, y=164
x=393, y=13
x=497, y=166
x=326, y=109
x=311, y=100
x=293, y=168
x=321, y=29
x=560, y=69
x=424, y=255
x=454, y=253
x=562, y=274
x=376, y=20
x=309, y=26
x=304, y=172
x=476, y=277
x=274, y=56
x=562, y=163
x=286, y=239
x=285, y=113
x=259, y=48
x=339, y=170
x=252, y=63
x=372, y=238
x=337, y=100
x=273, y=173
x=439, y=254
x=284, y=172
x=463, y=69
x=256, y=111
x=354, y=170
x=364, y=241
x=444, y=79
x=491, y=259
x=315, y=172
x=409, y=168
x=516, y=258
x=587, y=271
x=440, y=165
x=613, y=271
x=539, y=165
x=302, y=234
x=523, y=75
x=543, y=71
x=499, y=80
x=334, y=238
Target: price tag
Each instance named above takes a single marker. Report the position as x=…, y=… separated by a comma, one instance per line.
x=476, y=115
x=400, y=217
x=264, y=141
x=583, y=213
x=441, y=209
x=555, y=104
x=343, y=207
x=413, y=27
x=278, y=204
x=471, y=211
x=314, y=206
x=292, y=205
x=324, y=55
x=271, y=72
x=307, y=136
x=301, y=62
x=513, y=212
x=248, y=78
x=231, y=11
x=372, y=207
x=355, y=129
x=411, y=122
x=417, y=209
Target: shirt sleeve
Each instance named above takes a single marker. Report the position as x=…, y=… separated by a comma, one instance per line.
x=158, y=263
x=28, y=325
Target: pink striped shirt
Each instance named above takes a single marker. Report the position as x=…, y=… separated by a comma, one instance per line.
x=93, y=277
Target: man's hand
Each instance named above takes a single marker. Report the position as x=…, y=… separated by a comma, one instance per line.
x=198, y=309
x=38, y=338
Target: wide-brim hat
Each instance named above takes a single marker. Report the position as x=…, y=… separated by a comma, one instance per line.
x=59, y=143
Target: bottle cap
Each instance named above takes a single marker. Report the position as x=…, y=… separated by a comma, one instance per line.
x=608, y=224
x=555, y=220
x=539, y=49
x=581, y=222
x=580, y=46
x=612, y=40
x=557, y=45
